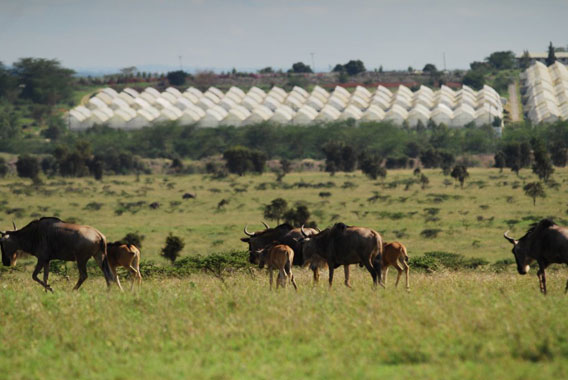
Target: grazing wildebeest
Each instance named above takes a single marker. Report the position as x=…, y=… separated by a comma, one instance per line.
x=284, y=234
x=344, y=245
x=52, y=239
x=127, y=256
x=279, y=256
x=395, y=254
x=546, y=243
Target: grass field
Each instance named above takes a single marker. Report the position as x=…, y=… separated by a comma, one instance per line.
x=464, y=324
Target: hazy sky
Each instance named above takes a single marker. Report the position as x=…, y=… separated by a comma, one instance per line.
x=249, y=34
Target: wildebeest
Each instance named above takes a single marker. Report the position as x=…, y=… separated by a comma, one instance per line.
x=52, y=239
x=283, y=234
x=127, y=256
x=395, y=254
x=279, y=256
x=345, y=245
x=546, y=243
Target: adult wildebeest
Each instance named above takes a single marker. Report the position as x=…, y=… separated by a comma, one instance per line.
x=344, y=245
x=395, y=254
x=52, y=239
x=279, y=256
x=127, y=256
x=283, y=234
x=546, y=243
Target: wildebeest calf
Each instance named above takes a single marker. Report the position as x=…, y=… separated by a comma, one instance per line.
x=127, y=256
x=395, y=254
x=279, y=257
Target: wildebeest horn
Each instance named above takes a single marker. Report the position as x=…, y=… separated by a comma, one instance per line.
x=265, y=225
x=511, y=240
x=14, y=224
x=246, y=232
x=303, y=232
x=318, y=230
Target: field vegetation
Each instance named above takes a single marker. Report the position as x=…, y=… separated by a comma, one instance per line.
x=210, y=315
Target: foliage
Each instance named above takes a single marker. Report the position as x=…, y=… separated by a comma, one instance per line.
x=339, y=157
x=353, y=67
x=460, y=173
x=534, y=190
x=474, y=79
x=173, y=247
x=370, y=165
x=240, y=160
x=542, y=165
x=176, y=78
x=300, y=67
x=276, y=209
x=27, y=166
x=551, y=57
x=134, y=238
x=429, y=68
x=501, y=60
x=3, y=167
x=43, y=81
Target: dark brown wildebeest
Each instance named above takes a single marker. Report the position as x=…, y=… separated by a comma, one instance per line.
x=395, y=254
x=283, y=234
x=127, y=256
x=344, y=245
x=546, y=243
x=279, y=256
x=52, y=239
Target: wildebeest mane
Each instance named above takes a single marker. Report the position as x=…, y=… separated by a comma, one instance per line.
x=536, y=228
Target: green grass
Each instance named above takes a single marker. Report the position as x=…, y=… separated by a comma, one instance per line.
x=452, y=324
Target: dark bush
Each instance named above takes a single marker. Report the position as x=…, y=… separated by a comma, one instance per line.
x=27, y=166
x=173, y=247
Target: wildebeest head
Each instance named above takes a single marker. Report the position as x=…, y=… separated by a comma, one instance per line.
x=520, y=250
x=258, y=240
x=9, y=247
x=314, y=245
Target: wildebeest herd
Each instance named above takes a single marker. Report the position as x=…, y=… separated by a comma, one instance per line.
x=277, y=248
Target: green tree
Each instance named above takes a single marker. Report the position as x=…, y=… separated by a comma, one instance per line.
x=266, y=70
x=370, y=165
x=501, y=60
x=176, y=78
x=499, y=160
x=460, y=173
x=542, y=165
x=297, y=217
x=44, y=81
x=3, y=167
x=300, y=67
x=7, y=81
x=240, y=160
x=429, y=68
x=474, y=79
x=173, y=247
x=559, y=153
x=276, y=209
x=525, y=60
x=551, y=58
x=534, y=190
x=354, y=67
x=27, y=166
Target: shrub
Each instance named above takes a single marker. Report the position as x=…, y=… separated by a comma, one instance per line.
x=430, y=233
x=134, y=238
x=27, y=166
x=174, y=245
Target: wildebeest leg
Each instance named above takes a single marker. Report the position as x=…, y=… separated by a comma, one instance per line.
x=566, y=289
x=40, y=264
x=385, y=272
x=135, y=276
x=331, y=269
x=115, y=277
x=542, y=279
x=292, y=280
x=346, y=271
x=373, y=272
x=399, y=269
x=82, y=266
x=270, y=273
x=406, y=268
x=45, y=276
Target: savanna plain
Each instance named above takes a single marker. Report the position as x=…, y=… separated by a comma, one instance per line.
x=477, y=322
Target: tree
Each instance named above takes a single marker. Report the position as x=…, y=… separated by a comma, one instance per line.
x=44, y=81
x=27, y=166
x=174, y=245
x=460, y=173
x=429, y=68
x=525, y=60
x=542, y=165
x=501, y=60
x=534, y=190
x=424, y=181
x=276, y=209
x=3, y=167
x=300, y=67
x=176, y=78
x=446, y=161
x=266, y=70
x=297, y=217
x=239, y=160
x=474, y=79
x=134, y=238
x=551, y=58
x=354, y=67
x=499, y=160
x=339, y=157
x=7, y=81
x=370, y=165
x=338, y=68
x=430, y=158
x=559, y=153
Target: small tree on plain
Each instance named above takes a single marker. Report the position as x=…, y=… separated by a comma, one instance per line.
x=174, y=245
x=276, y=209
x=27, y=166
x=534, y=190
x=500, y=161
x=3, y=167
x=460, y=173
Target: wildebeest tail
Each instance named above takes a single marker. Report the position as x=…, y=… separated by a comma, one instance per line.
x=106, y=266
x=287, y=266
x=378, y=257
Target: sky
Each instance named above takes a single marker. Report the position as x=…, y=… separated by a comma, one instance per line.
x=249, y=35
